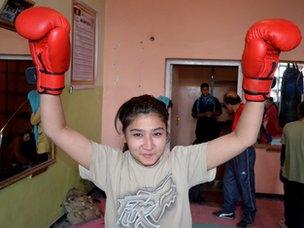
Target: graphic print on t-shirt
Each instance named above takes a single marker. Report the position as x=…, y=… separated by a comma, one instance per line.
x=146, y=207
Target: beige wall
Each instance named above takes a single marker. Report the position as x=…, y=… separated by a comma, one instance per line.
x=182, y=29
x=36, y=202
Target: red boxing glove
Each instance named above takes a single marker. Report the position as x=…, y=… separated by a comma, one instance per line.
x=264, y=42
x=48, y=33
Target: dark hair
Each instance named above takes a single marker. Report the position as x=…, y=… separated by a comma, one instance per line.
x=301, y=109
x=232, y=100
x=144, y=104
x=204, y=85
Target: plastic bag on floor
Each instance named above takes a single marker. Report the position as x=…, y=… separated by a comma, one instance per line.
x=80, y=208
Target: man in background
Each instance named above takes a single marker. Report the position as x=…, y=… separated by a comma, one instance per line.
x=292, y=160
x=238, y=179
x=270, y=127
x=205, y=109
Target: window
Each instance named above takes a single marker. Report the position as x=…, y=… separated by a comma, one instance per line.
x=287, y=95
x=276, y=91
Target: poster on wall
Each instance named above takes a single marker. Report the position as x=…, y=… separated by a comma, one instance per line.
x=9, y=11
x=84, y=46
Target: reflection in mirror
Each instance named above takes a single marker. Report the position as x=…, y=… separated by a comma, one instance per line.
x=24, y=148
x=285, y=96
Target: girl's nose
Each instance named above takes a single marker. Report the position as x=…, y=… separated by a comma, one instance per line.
x=148, y=142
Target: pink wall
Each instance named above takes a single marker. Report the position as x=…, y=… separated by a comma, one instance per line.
x=196, y=29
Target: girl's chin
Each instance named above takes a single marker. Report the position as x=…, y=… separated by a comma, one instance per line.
x=148, y=161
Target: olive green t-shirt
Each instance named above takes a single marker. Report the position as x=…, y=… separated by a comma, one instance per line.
x=293, y=138
x=156, y=196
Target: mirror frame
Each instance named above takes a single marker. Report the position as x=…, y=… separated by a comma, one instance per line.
x=33, y=171
x=39, y=168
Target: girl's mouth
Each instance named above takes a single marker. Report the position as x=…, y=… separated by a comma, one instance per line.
x=147, y=155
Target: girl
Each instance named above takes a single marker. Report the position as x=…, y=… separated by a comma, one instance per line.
x=147, y=185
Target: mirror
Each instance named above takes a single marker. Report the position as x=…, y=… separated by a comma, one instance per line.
x=286, y=94
x=24, y=148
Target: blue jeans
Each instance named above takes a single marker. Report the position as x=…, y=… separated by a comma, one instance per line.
x=238, y=182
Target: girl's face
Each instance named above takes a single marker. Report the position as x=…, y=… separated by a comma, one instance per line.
x=146, y=137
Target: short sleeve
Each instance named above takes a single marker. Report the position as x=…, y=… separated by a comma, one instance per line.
x=195, y=161
x=102, y=157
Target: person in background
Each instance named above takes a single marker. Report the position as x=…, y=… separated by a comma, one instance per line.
x=20, y=152
x=43, y=144
x=238, y=181
x=270, y=127
x=292, y=162
x=205, y=109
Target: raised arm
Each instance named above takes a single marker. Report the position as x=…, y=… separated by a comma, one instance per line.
x=264, y=42
x=48, y=33
x=54, y=126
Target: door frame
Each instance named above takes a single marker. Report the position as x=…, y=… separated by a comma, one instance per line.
x=200, y=62
x=170, y=63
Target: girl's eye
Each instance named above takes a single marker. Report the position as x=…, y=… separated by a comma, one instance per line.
x=137, y=134
x=158, y=133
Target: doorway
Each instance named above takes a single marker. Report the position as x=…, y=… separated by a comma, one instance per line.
x=183, y=80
